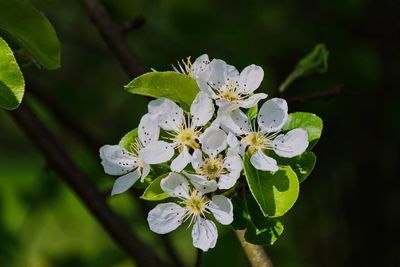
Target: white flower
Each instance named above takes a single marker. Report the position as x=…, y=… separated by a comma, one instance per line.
x=224, y=170
x=117, y=160
x=230, y=89
x=183, y=131
x=194, y=206
x=271, y=118
x=196, y=69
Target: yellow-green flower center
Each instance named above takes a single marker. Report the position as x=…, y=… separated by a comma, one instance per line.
x=196, y=204
x=212, y=168
x=187, y=137
x=255, y=141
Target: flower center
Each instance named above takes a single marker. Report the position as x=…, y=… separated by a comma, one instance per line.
x=255, y=141
x=187, y=137
x=229, y=92
x=196, y=204
x=212, y=168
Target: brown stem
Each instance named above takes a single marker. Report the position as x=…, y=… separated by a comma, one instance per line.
x=255, y=253
x=60, y=161
x=112, y=35
x=135, y=23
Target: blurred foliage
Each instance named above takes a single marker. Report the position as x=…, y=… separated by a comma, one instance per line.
x=347, y=212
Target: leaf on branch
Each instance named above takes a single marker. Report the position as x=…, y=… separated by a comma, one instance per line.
x=12, y=84
x=275, y=192
x=309, y=122
x=261, y=230
x=31, y=30
x=177, y=87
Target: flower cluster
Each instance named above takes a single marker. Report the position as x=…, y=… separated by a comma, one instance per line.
x=204, y=147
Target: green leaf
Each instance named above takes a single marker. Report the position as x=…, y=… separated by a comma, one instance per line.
x=12, y=84
x=31, y=30
x=267, y=235
x=175, y=86
x=252, y=112
x=275, y=192
x=309, y=122
x=261, y=230
x=314, y=62
x=128, y=139
x=302, y=165
x=154, y=192
x=240, y=214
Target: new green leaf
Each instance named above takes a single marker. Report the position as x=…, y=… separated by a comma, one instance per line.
x=177, y=87
x=31, y=30
x=314, y=62
x=275, y=192
x=128, y=139
x=309, y=122
x=154, y=192
x=12, y=85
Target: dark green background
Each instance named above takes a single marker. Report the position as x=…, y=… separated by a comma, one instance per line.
x=348, y=210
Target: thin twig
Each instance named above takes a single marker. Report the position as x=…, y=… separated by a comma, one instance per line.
x=64, y=118
x=255, y=253
x=338, y=90
x=112, y=35
x=60, y=161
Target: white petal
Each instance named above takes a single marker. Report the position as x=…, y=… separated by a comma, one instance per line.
x=273, y=114
x=180, y=162
x=262, y=162
x=213, y=141
x=204, y=87
x=222, y=209
x=235, y=145
x=125, y=182
x=201, y=183
x=252, y=100
x=219, y=71
x=197, y=159
x=204, y=234
x=251, y=78
x=116, y=160
x=145, y=171
x=167, y=113
x=148, y=130
x=233, y=164
x=202, y=109
x=165, y=217
x=175, y=185
x=241, y=120
x=156, y=152
x=292, y=143
x=200, y=65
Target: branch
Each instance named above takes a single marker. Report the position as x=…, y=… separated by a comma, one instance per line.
x=255, y=253
x=135, y=23
x=338, y=90
x=112, y=35
x=59, y=160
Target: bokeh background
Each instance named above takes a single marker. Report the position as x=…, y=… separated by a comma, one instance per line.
x=348, y=211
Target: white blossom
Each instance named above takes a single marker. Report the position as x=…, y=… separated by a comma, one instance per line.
x=215, y=167
x=229, y=88
x=183, y=130
x=193, y=206
x=196, y=70
x=257, y=141
x=128, y=163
